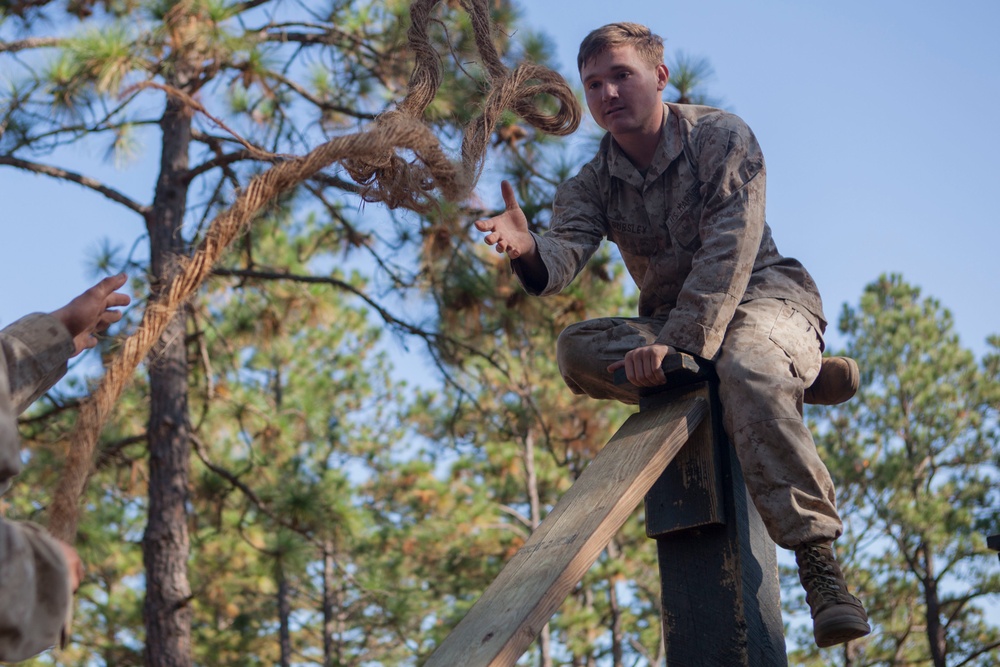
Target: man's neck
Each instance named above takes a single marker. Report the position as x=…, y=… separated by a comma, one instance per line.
x=640, y=146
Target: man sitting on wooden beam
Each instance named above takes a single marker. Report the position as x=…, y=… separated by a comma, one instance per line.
x=680, y=189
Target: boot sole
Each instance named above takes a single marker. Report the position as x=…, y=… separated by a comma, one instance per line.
x=839, y=630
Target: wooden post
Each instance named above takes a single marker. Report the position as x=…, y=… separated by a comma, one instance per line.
x=718, y=567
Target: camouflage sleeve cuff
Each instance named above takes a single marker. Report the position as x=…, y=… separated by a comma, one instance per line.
x=36, y=349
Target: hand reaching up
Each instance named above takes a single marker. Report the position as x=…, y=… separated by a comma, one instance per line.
x=91, y=312
x=508, y=232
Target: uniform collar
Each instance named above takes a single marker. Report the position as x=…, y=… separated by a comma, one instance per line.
x=669, y=148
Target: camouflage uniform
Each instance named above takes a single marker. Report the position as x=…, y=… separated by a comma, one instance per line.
x=35, y=595
x=692, y=234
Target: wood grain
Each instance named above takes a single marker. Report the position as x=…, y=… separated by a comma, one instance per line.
x=534, y=583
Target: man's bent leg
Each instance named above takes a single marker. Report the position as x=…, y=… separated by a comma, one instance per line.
x=771, y=353
x=585, y=350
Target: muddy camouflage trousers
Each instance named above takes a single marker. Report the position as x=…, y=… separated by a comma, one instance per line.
x=770, y=354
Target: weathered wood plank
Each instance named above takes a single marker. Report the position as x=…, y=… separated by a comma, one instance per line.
x=689, y=493
x=529, y=589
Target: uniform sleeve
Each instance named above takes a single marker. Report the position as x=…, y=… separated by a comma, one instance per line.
x=35, y=595
x=577, y=229
x=35, y=350
x=731, y=170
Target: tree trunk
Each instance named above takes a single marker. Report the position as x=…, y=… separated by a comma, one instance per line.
x=617, y=634
x=284, y=612
x=333, y=610
x=545, y=638
x=935, y=631
x=328, y=657
x=166, y=543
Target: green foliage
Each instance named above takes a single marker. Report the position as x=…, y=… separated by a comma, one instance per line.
x=917, y=466
x=332, y=500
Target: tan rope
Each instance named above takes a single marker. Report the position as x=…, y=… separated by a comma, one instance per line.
x=373, y=159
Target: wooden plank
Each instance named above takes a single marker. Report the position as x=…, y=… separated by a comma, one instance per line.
x=514, y=608
x=689, y=492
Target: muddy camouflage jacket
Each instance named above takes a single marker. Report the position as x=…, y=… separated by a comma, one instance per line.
x=35, y=594
x=691, y=230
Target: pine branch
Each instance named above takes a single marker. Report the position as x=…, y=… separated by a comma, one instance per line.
x=312, y=99
x=220, y=161
x=30, y=43
x=73, y=177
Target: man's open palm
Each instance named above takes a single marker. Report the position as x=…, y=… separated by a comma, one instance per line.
x=508, y=232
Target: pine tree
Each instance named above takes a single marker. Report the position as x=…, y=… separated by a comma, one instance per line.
x=915, y=460
x=277, y=79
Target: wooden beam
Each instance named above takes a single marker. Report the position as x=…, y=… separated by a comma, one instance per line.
x=534, y=583
x=720, y=592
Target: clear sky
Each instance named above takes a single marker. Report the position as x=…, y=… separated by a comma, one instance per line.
x=876, y=118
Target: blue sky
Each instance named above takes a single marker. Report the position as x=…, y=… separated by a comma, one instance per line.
x=876, y=120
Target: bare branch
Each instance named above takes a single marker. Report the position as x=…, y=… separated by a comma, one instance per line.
x=430, y=336
x=113, y=449
x=388, y=317
x=30, y=43
x=258, y=502
x=327, y=180
x=222, y=161
x=325, y=106
x=73, y=177
x=241, y=7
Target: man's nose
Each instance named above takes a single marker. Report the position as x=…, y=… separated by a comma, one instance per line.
x=609, y=92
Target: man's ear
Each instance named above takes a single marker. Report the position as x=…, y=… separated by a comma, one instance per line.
x=662, y=76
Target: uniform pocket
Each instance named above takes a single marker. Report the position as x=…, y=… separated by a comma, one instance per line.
x=683, y=218
x=634, y=238
x=794, y=334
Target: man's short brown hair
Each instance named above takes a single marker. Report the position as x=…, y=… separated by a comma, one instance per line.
x=647, y=45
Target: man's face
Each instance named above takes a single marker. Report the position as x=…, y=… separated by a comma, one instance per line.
x=624, y=92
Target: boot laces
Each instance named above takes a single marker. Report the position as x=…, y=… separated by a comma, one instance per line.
x=821, y=577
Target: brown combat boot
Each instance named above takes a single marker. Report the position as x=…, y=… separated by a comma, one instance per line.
x=838, y=381
x=837, y=615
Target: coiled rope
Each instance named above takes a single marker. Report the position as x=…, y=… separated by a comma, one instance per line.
x=373, y=159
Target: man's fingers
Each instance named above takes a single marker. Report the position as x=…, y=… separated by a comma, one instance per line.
x=615, y=366
x=116, y=299
x=507, y=190
x=108, y=317
x=111, y=283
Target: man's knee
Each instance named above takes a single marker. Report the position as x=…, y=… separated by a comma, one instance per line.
x=573, y=347
x=758, y=386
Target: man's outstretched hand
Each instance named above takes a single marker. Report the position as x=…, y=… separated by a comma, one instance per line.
x=508, y=232
x=91, y=312
x=643, y=365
